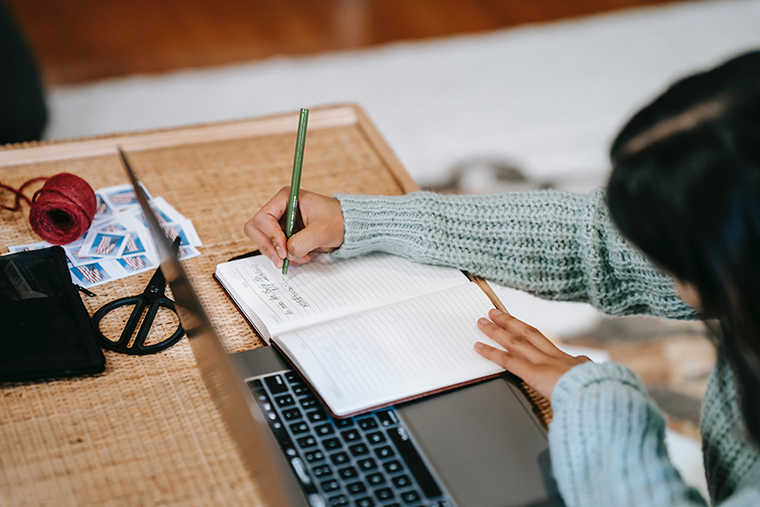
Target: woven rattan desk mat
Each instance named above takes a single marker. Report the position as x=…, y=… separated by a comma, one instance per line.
x=146, y=432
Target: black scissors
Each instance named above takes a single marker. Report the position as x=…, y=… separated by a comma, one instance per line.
x=153, y=298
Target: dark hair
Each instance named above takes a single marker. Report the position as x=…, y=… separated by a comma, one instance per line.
x=685, y=189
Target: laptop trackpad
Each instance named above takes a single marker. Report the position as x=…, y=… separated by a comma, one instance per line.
x=485, y=446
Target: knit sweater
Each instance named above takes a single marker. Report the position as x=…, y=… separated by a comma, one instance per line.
x=607, y=437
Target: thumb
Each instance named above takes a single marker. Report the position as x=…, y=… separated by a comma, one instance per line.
x=304, y=241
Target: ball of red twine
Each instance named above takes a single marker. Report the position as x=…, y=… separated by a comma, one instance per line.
x=63, y=209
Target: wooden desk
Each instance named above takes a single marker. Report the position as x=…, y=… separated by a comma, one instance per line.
x=146, y=432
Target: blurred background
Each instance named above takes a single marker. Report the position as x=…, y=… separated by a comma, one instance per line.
x=474, y=96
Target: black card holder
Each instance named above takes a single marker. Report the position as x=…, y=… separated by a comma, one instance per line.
x=45, y=329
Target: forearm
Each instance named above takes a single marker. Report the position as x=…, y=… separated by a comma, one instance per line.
x=552, y=244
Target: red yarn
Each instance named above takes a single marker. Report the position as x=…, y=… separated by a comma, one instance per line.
x=63, y=209
x=20, y=194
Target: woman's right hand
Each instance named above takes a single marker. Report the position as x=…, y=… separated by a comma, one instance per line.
x=319, y=227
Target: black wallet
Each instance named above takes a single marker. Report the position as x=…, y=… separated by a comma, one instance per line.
x=45, y=330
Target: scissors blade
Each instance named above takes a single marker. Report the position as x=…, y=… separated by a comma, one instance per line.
x=156, y=286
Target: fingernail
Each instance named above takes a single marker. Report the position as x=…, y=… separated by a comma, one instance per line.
x=479, y=345
x=496, y=312
x=279, y=252
x=275, y=261
x=483, y=322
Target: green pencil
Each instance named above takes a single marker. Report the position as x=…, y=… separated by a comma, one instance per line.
x=295, y=181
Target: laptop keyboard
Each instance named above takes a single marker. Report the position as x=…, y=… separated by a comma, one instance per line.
x=363, y=461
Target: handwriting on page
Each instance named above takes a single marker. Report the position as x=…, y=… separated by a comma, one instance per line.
x=322, y=288
x=274, y=291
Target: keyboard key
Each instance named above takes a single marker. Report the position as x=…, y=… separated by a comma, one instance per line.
x=317, y=416
x=308, y=402
x=301, y=389
x=384, y=452
x=384, y=494
x=376, y=438
x=322, y=471
x=330, y=485
x=292, y=376
x=368, y=423
x=291, y=414
x=367, y=464
x=356, y=488
x=344, y=423
x=324, y=430
x=339, y=458
x=276, y=384
x=359, y=449
x=338, y=501
x=299, y=427
x=307, y=441
x=410, y=496
x=392, y=466
x=313, y=456
x=348, y=472
x=255, y=385
x=375, y=479
x=365, y=502
x=284, y=401
x=332, y=443
x=393, y=505
x=387, y=417
x=350, y=435
x=401, y=481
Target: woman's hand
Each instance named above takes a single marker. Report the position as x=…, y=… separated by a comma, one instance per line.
x=320, y=227
x=530, y=355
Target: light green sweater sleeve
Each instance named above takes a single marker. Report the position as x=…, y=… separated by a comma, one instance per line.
x=607, y=442
x=554, y=245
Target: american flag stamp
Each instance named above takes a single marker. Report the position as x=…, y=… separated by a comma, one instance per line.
x=90, y=274
x=102, y=211
x=135, y=244
x=111, y=226
x=103, y=244
x=165, y=211
x=28, y=247
x=187, y=252
x=135, y=264
x=173, y=230
x=161, y=216
x=121, y=197
x=72, y=253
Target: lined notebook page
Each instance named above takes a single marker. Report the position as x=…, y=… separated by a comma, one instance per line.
x=394, y=352
x=323, y=289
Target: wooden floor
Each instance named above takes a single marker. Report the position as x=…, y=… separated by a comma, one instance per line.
x=83, y=40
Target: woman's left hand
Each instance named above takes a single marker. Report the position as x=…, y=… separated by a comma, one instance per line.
x=530, y=355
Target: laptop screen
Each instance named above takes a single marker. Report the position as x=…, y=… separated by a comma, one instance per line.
x=243, y=418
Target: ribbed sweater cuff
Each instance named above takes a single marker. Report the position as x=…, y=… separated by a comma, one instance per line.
x=379, y=223
x=587, y=374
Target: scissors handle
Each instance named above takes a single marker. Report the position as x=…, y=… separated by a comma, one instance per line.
x=138, y=347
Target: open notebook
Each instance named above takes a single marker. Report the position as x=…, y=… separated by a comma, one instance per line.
x=366, y=332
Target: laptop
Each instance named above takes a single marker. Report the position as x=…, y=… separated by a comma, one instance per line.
x=479, y=445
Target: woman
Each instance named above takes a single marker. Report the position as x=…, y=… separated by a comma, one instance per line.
x=685, y=190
